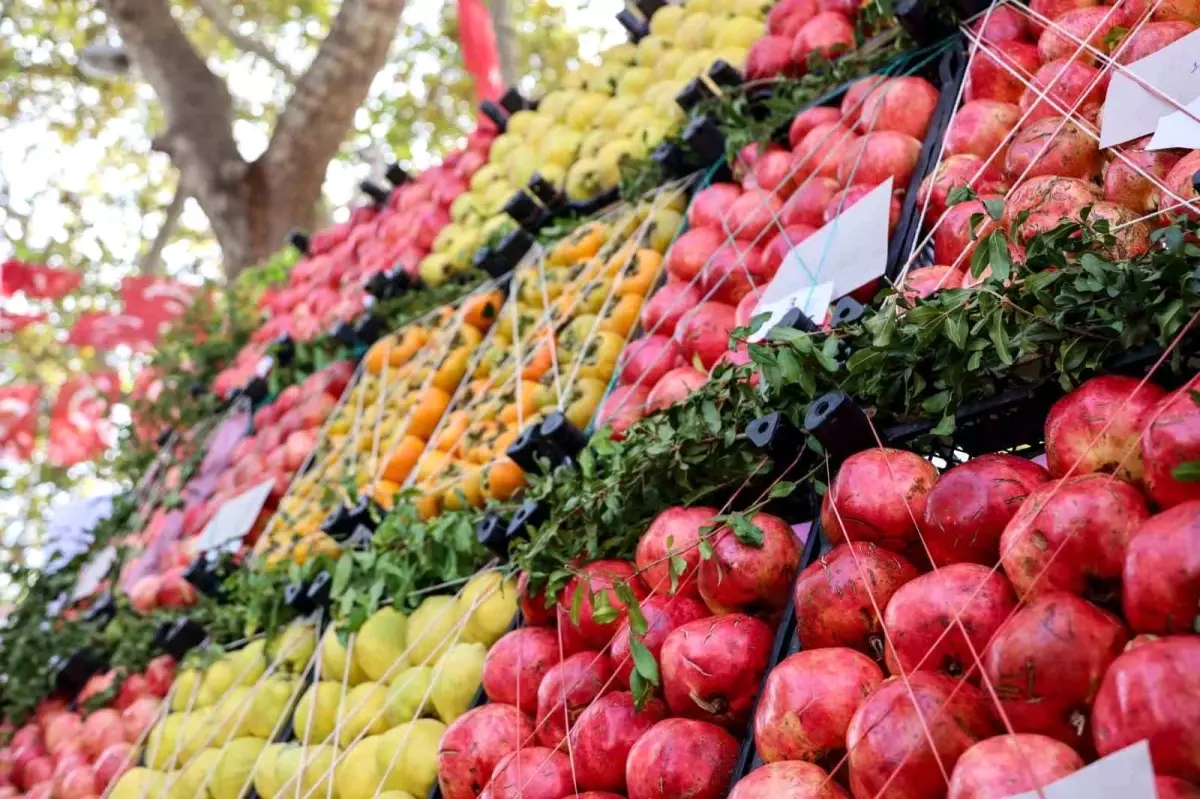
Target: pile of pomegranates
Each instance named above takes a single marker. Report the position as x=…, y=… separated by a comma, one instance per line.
x=797, y=29
x=71, y=754
x=989, y=630
x=1041, y=157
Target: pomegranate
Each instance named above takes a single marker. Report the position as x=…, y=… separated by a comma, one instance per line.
x=101, y=729
x=1071, y=535
x=663, y=311
x=675, y=386
x=143, y=596
x=1053, y=146
x=38, y=771
x=1161, y=577
x=534, y=610
x=662, y=614
x=877, y=156
x=928, y=280
x=139, y=717
x=1148, y=693
x=78, y=783
x=828, y=34
x=62, y=731
x=474, y=743
x=1002, y=23
x=112, y=763
x=1096, y=427
x=971, y=600
x=904, y=105
x=646, y=360
x=1129, y=238
x=1053, y=9
x=1046, y=663
x=792, y=779
x=953, y=172
x=711, y=205
x=846, y=198
x=734, y=270
x=751, y=577
x=603, y=735
x=750, y=215
x=808, y=119
x=773, y=172
x=806, y=206
x=1072, y=86
x=769, y=57
x=1011, y=764
x=1150, y=38
x=704, y=332
x=787, y=17
x=981, y=128
x=681, y=758
x=691, y=252
x=890, y=735
x=566, y=690
x=596, y=577
x=836, y=597
x=1125, y=181
x=624, y=406
x=1175, y=788
x=711, y=668
x=971, y=504
x=675, y=531
x=1179, y=188
x=1093, y=24
x=516, y=664
x=133, y=687
x=1172, y=437
x=878, y=496
x=779, y=246
x=531, y=773
x=996, y=73
x=952, y=242
x=820, y=152
x=807, y=702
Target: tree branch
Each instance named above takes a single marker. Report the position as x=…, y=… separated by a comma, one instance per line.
x=506, y=41
x=224, y=22
x=151, y=260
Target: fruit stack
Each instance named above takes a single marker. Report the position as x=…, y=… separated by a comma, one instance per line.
x=1034, y=161
x=1073, y=637
x=580, y=133
x=77, y=755
x=327, y=286
x=798, y=30
x=740, y=233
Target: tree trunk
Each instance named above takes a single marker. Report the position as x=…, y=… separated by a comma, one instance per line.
x=251, y=207
x=506, y=41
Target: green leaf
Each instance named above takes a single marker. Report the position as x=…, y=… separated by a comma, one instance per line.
x=745, y=531
x=999, y=336
x=643, y=661
x=994, y=208
x=936, y=403
x=577, y=604
x=602, y=611
x=956, y=330
x=945, y=427
x=999, y=256
x=341, y=576
x=959, y=194
x=1187, y=472
x=783, y=488
x=705, y=548
x=712, y=417
x=979, y=260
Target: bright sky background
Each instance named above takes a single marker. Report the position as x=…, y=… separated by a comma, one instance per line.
x=32, y=156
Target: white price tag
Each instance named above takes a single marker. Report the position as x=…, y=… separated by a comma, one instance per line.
x=1178, y=130
x=1125, y=774
x=234, y=519
x=1131, y=110
x=813, y=302
x=93, y=573
x=264, y=366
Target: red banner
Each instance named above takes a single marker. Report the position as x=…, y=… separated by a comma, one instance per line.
x=104, y=331
x=481, y=56
x=37, y=282
x=18, y=420
x=155, y=299
x=14, y=322
x=79, y=426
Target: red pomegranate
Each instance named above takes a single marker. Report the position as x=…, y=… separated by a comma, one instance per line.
x=878, y=156
x=597, y=577
x=662, y=614
x=566, y=690
x=1172, y=437
x=704, y=332
x=62, y=731
x=954, y=172
x=112, y=763
x=691, y=252
x=1047, y=661
x=751, y=576
x=1175, y=788
x=1150, y=38
x=139, y=717
x=515, y=665
x=903, y=104
x=663, y=311
x=532, y=772
x=773, y=172
x=807, y=702
x=472, y=746
x=711, y=668
x=1011, y=764
x=1071, y=535
x=971, y=504
x=1070, y=85
x=1001, y=24
x=711, y=204
x=675, y=386
x=1149, y=693
x=769, y=57
x=808, y=119
x=890, y=735
x=682, y=527
x=969, y=599
x=646, y=360
x=955, y=240
x=878, y=496
x=1161, y=577
x=996, y=73
x=603, y=735
x=780, y=245
x=1052, y=9
x=806, y=206
x=622, y=408
x=681, y=757
x=840, y=599
x=534, y=611
x=734, y=270
x=1127, y=176
x=821, y=150
x=750, y=215
x=1053, y=146
x=793, y=779
x=1093, y=25
x=101, y=729
x=926, y=281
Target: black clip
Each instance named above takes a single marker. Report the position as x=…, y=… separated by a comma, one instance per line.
x=343, y=333
x=299, y=239
x=796, y=318
x=337, y=524
x=924, y=24
x=670, y=159
x=705, y=140
x=378, y=194
x=725, y=75
x=532, y=513
x=561, y=435
x=511, y=250
x=513, y=101
x=648, y=7
x=320, y=590
x=368, y=328
x=378, y=285
x=841, y=427
x=775, y=435
x=285, y=350
x=491, y=533
x=396, y=175
x=633, y=25
x=256, y=389
x=295, y=596
x=178, y=637
x=530, y=448
x=73, y=671
x=164, y=437
x=545, y=192
x=102, y=611
x=524, y=210
x=847, y=311
x=494, y=113
x=360, y=540
x=695, y=92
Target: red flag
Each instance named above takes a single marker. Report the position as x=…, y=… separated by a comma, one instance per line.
x=481, y=56
x=79, y=426
x=37, y=282
x=15, y=322
x=105, y=331
x=155, y=298
x=18, y=420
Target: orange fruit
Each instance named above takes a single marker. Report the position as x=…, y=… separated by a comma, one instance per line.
x=378, y=355
x=502, y=479
x=385, y=494
x=481, y=310
x=456, y=425
x=402, y=459
x=465, y=488
x=424, y=416
x=452, y=370
x=428, y=504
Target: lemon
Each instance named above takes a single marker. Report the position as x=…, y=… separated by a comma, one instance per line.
x=139, y=782
x=266, y=780
x=407, y=756
x=294, y=647
x=457, y=677
x=362, y=711
x=163, y=741
x=488, y=600
x=333, y=660
x=634, y=81
x=738, y=32
x=408, y=696
x=216, y=681
x=651, y=48
x=381, y=643
x=316, y=712
x=234, y=767
x=357, y=775
x=433, y=628
x=249, y=662
x=186, y=683
x=692, y=32
x=269, y=706
x=666, y=21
